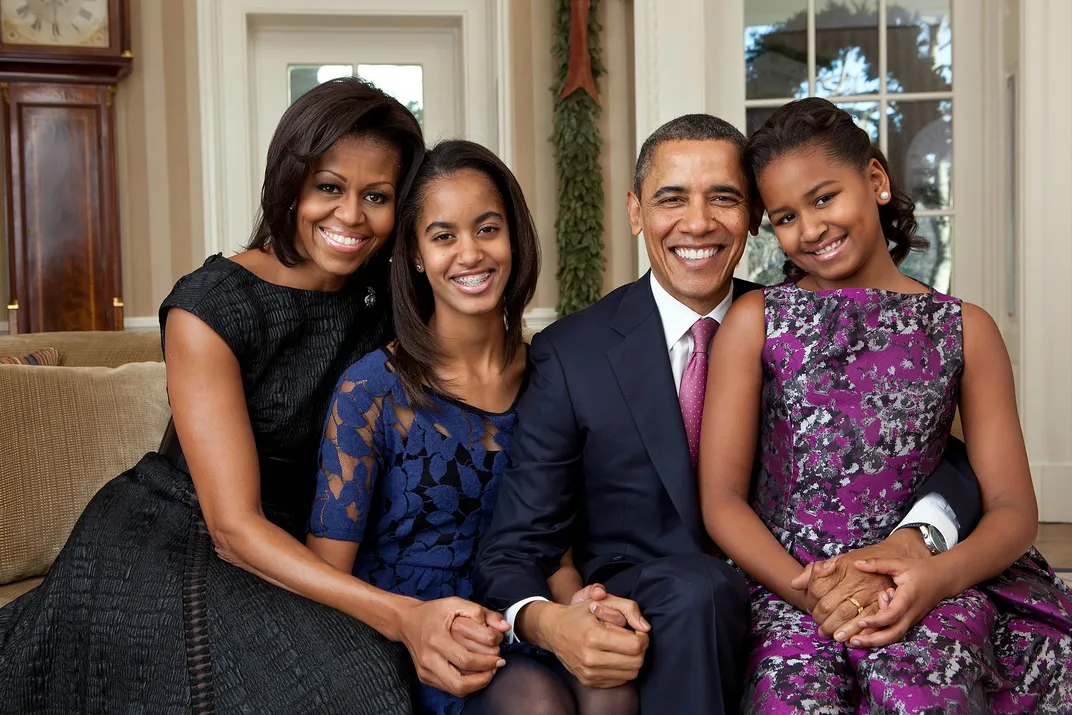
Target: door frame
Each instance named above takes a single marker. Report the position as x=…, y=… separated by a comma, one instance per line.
x=228, y=141
x=276, y=46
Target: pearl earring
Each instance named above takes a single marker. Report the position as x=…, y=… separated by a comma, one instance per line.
x=884, y=195
x=419, y=267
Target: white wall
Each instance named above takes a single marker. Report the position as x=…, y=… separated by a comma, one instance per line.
x=1045, y=305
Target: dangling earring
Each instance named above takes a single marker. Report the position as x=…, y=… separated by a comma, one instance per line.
x=370, y=298
x=884, y=195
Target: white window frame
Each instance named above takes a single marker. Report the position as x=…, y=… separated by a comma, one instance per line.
x=882, y=97
x=689, y=57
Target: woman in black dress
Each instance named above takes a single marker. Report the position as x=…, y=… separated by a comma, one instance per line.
x=185, y=586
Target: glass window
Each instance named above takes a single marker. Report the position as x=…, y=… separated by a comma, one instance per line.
x=776, y=49
x=403, y=82
x=302, y=78
x=846, y=48
x=895, y=77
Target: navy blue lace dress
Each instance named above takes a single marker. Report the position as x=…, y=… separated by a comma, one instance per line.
x=416, y=487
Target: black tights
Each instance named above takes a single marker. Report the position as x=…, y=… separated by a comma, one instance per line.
x=526, y=686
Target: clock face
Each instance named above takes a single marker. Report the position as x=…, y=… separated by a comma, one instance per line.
x=55, y=23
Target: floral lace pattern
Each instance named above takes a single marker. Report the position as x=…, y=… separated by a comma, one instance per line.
x=416, y=487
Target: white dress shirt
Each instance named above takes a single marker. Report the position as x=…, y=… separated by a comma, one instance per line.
x=677, y=319
x=677, y=323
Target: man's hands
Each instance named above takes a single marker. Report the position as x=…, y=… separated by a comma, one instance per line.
x=827, y=585
x=596, y=596
x=453, y=643
x=598, y=652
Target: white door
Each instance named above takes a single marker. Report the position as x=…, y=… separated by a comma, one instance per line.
x=418, y=66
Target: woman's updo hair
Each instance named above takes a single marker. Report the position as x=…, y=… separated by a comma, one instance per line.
x=816, y=123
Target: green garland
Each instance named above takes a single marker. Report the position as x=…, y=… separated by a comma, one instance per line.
x=577, y=146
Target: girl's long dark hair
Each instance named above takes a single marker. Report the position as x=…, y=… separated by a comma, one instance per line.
x=817, y=123
x=418, y=352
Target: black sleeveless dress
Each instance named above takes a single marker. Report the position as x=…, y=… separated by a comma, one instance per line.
x=139, y=615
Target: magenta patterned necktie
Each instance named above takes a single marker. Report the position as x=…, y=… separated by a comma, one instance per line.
x=694, y=383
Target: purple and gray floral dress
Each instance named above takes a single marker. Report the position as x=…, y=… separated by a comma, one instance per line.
x=860, y=389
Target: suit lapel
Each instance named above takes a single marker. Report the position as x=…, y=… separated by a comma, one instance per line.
x=641, y=364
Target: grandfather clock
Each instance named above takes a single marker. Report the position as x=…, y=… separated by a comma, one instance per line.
x=60, y=61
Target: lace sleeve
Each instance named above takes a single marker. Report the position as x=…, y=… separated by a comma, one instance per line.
x=349, y=462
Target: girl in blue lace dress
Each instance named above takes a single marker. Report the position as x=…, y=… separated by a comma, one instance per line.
x=418, y=436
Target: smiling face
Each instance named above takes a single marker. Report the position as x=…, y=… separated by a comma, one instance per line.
x=463, y=243
x=694, y=213
x=346, y=208
x=825, y=213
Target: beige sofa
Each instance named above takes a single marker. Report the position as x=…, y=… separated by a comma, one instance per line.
x=64, y=432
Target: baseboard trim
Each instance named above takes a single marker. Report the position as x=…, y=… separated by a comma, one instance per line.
x=1053, y=490
x=148, y=322
x=539, y=318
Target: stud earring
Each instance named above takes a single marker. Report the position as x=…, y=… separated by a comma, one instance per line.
x=884, y=195
x=419, y=267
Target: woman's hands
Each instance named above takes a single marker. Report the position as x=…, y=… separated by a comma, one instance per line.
x=828, y=584
x=921, y=584
x=454, y=643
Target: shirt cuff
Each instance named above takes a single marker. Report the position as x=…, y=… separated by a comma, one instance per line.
x=511, y=614
x=935, y=511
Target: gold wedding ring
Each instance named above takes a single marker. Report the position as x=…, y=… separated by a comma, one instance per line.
x=859, y=608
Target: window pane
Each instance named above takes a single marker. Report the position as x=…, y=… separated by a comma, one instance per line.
x=867, y=116
x=765, y=257
x=755, y=116
x=302, y=78
x=933, y=265
x=403, y=82
x=846, y=48
x=921, y=150
x=919, y=46
x=776, y=48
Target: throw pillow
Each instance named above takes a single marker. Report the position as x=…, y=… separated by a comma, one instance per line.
x=45, y=356
x=67, y=431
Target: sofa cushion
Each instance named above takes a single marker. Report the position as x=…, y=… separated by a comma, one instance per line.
x=45, y=356
x=103, y=348
x=67, y=431
x=12, y=591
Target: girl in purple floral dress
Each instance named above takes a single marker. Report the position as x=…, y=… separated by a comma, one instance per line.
x=848, y=377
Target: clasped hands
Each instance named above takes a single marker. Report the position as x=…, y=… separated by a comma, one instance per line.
x=895, y=583
x=454, y=643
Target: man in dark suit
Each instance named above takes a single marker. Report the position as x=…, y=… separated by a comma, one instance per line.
x=603, y=458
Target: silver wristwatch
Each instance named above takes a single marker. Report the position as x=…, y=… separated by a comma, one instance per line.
x=932, y=537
